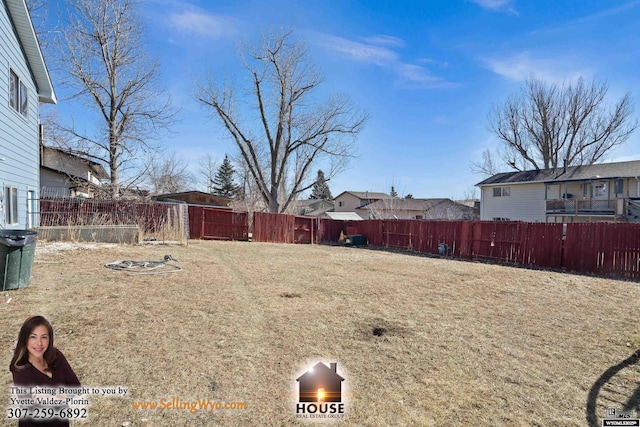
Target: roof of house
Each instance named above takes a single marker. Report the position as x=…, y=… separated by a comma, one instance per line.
x=344, y=216
x=404, y=204
x=573, y=173
x=19, y=15
x=54, y=164
x=310, y=202
x=365, y=195
x=468, y=202
x=194, y=197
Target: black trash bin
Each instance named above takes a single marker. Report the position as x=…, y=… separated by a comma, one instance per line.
x=17, y=249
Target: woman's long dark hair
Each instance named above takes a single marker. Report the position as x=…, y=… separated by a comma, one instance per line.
x=21, y=354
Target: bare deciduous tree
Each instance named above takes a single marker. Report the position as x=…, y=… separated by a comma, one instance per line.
x=471, y=193
x=249, y=199
x=169, y=174
x=488, y=166
x=294, y=133
x=38, y=12
x=110, y=73
x=546, y=124
x=207, y=169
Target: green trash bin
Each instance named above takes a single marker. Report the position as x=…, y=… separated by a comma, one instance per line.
x=17, y=249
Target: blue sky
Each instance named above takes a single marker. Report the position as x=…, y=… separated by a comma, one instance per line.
x=427, y=72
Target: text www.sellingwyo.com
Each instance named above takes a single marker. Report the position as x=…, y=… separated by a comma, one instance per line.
x=193, y=406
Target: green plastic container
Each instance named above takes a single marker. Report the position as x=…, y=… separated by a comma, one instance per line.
x=17, y=249
x=355, y=240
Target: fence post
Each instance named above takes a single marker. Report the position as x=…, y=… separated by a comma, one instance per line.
x=202, y=223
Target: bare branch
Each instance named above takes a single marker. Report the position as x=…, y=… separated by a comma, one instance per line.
x=546, y=124
x=296, y=133
x=110, y=73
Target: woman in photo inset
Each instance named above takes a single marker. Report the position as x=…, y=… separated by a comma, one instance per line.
x=36, y=362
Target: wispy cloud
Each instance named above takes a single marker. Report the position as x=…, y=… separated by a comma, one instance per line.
x=417, y=76
x=377, y=51
x=608, y=12
x=360, y=52
x=384, y=40
x=497, y=5
x=523, y=65
x=589, y=18
x=203, y=24
x=441, y=64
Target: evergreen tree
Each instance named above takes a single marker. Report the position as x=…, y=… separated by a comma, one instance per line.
x=409, y=196
x=393, y=192
x=320, y=188
x=223, y=183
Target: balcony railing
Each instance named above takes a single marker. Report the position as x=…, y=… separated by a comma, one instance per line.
x=581, y=207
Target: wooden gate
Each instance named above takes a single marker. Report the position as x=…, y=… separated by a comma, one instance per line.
x=217, y=224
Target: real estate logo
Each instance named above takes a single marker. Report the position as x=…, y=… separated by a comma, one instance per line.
x=320, y=393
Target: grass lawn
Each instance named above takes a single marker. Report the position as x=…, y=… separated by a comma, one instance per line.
x=455, y=343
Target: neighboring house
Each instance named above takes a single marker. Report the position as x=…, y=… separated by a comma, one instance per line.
x=63, y=174
x=589, y=193
x=24, y=82
x=354, y=201
x=194, y=198
x=427, y=209
x=312, y=207
x=342, y=216
x=472, y=203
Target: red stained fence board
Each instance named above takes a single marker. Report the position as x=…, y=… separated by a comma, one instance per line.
x=596, y=248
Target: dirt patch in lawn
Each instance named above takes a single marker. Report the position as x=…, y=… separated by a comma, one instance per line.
x=419, y=341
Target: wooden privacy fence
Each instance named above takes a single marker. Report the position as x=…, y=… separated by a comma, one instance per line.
x=609, y=249
x=217, y=223
x=170, y=219
x=281, y=228
x=73, y=212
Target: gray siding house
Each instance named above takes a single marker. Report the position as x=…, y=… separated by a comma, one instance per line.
x=24, y=82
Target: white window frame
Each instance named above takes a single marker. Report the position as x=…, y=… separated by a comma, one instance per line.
x=11, y=205
x=18, y=94
x=502, y=191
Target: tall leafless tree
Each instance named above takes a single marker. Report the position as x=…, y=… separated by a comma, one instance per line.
x=168, y=174
x=546, y=124
x=109, y=72
x=282, y=134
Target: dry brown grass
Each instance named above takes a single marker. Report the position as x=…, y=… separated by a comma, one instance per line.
x=455, y=343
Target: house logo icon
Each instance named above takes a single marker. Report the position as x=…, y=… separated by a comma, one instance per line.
x=320, y=392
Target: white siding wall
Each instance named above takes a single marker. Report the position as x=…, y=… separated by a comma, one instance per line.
x=351, y=204
x=526, y=203
x=19, y=166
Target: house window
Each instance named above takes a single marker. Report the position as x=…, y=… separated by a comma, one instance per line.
x=500, y=219
x=501, y=191
x=418, y=216
x=11, y=205
x=600, y=190
x=18, y=94
x=340, y=204
x=619, y=186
